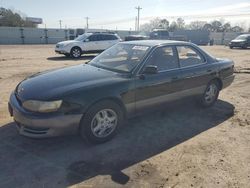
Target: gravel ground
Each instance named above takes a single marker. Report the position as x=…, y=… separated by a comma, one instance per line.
x=180, y=146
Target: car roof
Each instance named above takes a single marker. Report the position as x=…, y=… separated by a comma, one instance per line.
x=153, y=43
x=99, y=33
x=247, y=35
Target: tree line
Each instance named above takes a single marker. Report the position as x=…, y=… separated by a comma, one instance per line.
x=10, y=18
x=179, y=23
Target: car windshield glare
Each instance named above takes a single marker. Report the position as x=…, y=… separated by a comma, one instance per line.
x=120, y=57
x=241, y=37
x=81, y=37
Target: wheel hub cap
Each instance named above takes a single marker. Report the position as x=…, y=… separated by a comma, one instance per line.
x=211, y=93
x=104, y=123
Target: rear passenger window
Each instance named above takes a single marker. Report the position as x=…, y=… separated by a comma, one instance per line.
x=189, y=57
x=109, y=37
x=164, y=58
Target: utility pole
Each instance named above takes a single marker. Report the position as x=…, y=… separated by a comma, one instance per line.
x=87, y=22
x=60, y=23
x=136, y=23
x=138, y=17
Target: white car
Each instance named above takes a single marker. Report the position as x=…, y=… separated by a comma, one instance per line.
x=87, y=43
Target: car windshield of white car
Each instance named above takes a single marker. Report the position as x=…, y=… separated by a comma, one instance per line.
x=121, y=57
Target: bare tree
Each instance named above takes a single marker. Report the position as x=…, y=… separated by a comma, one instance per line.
x=237, y=29
x=173, y=26
x=154, y=24
x=196, y=25
x=227, y=27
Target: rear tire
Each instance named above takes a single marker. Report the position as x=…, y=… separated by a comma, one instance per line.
x=231, y=47
x=76, y=52
x=210, y=94
x=101, y=122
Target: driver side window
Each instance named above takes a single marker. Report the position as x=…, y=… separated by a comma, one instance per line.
x=164, y=58
x=93, y=38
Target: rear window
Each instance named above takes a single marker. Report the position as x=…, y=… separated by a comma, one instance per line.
x=109, y=37
x=189, y=56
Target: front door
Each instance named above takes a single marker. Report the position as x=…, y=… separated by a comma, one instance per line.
x=93, y=43
x=155, y=89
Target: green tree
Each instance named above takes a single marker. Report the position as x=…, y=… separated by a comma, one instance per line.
x=173, y=26
x=11, y=19
x=164, y=24
x=180, y=23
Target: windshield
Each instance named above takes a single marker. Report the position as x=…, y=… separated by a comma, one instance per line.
x=120, y=57
x=241, y=37
x=81, y=37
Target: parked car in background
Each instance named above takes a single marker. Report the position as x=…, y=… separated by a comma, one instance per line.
x=159, y=34
x=135, y=37
x=242, y=41
x=87, y=43
x=126, y=79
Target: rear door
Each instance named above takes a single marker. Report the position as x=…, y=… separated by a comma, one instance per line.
x=195, y=71
x=108, y=40
x=155, y=89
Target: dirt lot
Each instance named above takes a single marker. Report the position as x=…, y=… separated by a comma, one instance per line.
x=182, y=146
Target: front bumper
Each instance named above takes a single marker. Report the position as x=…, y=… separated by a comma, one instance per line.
x=60, y=51
x=236, y=44
x=37, y=125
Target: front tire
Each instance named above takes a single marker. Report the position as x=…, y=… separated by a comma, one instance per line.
x=101, y=122
x=76, y=52
x=210, y=94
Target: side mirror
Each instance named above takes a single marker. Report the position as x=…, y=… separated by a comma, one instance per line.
x=86, y=40
x=150, y=69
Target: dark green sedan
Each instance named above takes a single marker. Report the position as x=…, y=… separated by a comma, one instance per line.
x=94, y=99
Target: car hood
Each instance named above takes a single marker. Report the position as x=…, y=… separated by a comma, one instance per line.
x=237, y=40
x=53, y=84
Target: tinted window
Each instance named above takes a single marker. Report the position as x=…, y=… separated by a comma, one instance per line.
x=109, y=37
x=189, y=57
x=164, y=58
x=94, y=38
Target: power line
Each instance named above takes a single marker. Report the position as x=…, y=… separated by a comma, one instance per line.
x=138, y=17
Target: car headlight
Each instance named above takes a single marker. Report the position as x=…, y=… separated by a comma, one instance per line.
x=42, y=106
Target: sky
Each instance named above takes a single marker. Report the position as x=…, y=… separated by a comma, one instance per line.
x=120, y=14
